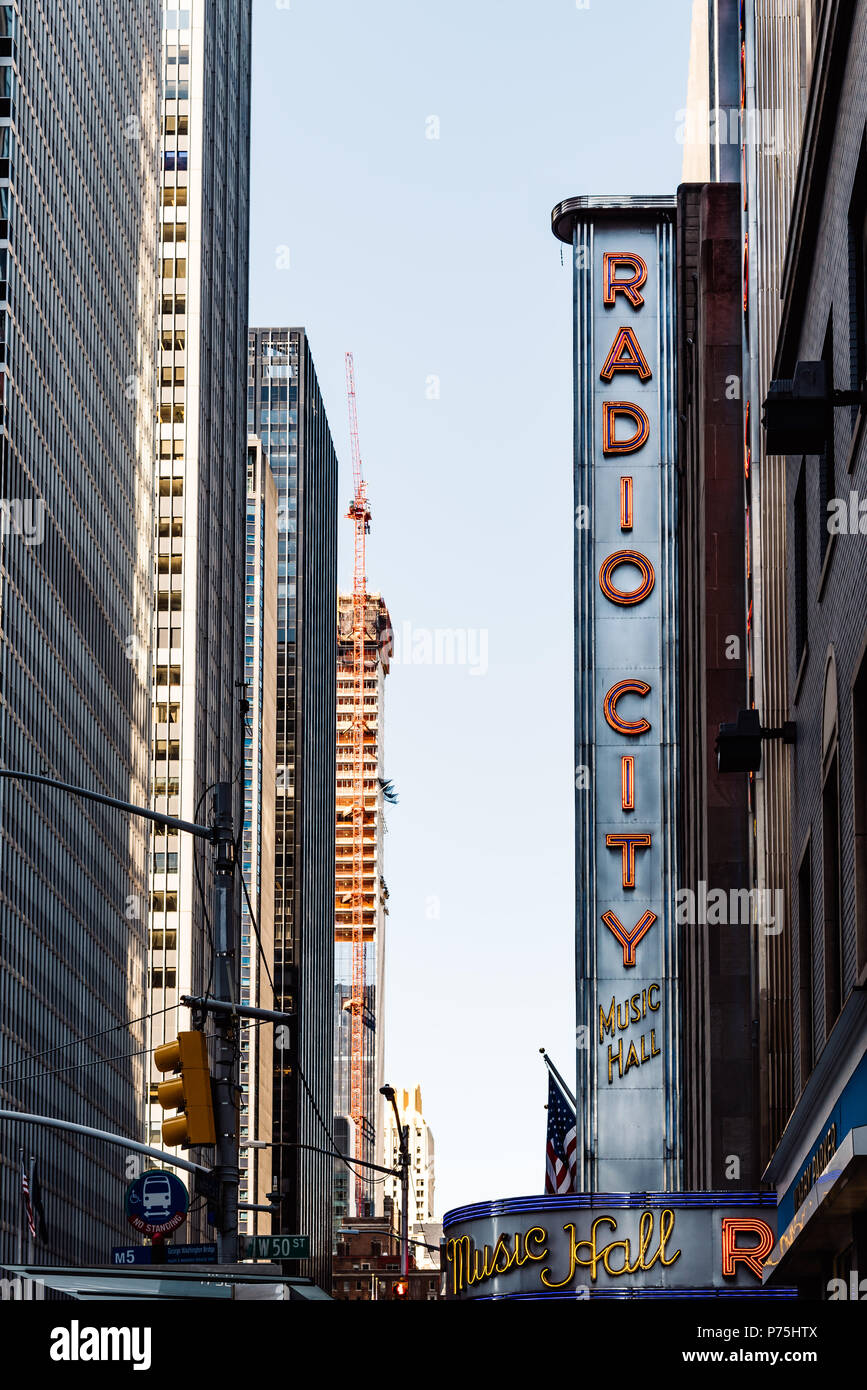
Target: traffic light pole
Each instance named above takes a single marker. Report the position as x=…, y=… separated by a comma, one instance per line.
x=227, y=1169
x=221, y=835
x=404, y=1202
x=405, y=1163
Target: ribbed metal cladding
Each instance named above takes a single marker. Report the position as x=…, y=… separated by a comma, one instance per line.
x=775, y=82
x=665, y=237
x=584, y=591
x=78, y=218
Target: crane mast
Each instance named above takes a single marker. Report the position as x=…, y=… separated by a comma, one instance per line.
x=359, y=514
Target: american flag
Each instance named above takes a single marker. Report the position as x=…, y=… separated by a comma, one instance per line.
x=562, y=1142
x=28, y=1205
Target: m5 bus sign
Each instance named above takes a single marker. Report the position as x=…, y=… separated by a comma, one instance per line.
x=156, y=1203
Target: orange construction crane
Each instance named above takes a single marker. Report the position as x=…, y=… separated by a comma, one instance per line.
x=359, y=513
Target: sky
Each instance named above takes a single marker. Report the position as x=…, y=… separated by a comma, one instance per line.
x=405, y=158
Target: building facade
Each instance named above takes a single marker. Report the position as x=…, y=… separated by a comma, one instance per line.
x=198, y=621
x=720, y=1064
x=367, y=1264
x=776, y=45
x=421, y=1148
x=79, y=141
x=819, y=1163
x=286, y=411
x=257, y=839
x=367, y=1136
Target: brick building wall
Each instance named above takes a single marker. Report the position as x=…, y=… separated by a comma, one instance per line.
x=718, y=1063
x=827, y=577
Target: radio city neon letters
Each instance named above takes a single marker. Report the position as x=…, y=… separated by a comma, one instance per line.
x=625, y=355
x=613, y=283
x=626, y=596
x=629, y=939
x=611, y=412
x=630, y=728
x=624, y=273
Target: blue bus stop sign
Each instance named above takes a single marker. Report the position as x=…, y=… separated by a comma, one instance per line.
x=156, y=1203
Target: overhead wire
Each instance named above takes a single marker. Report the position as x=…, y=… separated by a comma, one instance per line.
x=86, y=1037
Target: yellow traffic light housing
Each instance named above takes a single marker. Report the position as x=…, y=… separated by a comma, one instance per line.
x=189, y=1093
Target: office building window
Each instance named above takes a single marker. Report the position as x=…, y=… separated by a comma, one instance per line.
x=827, y=484
x=805, y=964
x=858, y=274
x=831, y=889
x=859, y=787
x=801, y=560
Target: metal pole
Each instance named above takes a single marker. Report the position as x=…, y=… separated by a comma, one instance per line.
x=21, y=1209
x=170, y=822
x=31, y=1286
x=120, y=1140
x=404, y=1202
x=558, y=1078
x=228, y=1169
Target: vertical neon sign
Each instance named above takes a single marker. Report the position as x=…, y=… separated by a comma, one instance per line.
x=625, y=690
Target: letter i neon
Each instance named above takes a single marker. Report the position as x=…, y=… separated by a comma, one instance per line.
x=626, y=504
x=627, y=783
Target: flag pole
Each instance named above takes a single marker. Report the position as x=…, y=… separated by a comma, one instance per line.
x=31, y=1173
x=558, y=1078
x=18, y=1177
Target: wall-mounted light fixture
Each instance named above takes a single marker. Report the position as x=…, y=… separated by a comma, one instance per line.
x=739, y=745
x=797, y=415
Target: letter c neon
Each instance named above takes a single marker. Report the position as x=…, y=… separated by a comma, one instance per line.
x=630, y=728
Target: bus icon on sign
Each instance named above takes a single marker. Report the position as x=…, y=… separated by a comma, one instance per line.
x=156, y=1195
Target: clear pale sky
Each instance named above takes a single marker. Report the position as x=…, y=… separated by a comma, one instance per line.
x=433, y=258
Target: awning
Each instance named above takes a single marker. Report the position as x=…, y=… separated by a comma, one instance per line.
x=239, y=1282
x=821, y=1225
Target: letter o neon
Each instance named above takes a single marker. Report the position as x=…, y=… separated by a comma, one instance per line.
x=622, y=596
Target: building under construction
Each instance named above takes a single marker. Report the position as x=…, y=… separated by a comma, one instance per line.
x=358, y=1071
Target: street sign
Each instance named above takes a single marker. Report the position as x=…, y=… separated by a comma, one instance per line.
x=156, y=1203
x=205, y=1254
x=131, y=1255
x=275, y=1247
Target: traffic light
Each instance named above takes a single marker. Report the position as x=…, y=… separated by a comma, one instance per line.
x=400, y=1289
x=189, y=1093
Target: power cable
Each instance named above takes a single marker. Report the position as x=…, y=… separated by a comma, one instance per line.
x=330, y=1136
x=79, y=1066
x=262, y=955
x=87, y=1037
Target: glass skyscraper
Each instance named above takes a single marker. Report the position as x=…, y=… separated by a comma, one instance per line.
x=285, y=410
x=79, y=141
x=257, y=838
x=198, y=615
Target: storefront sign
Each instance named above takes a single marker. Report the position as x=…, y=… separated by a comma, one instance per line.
x=682, y=1242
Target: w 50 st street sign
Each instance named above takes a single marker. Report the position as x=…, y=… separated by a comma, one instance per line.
x=275, y=1247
